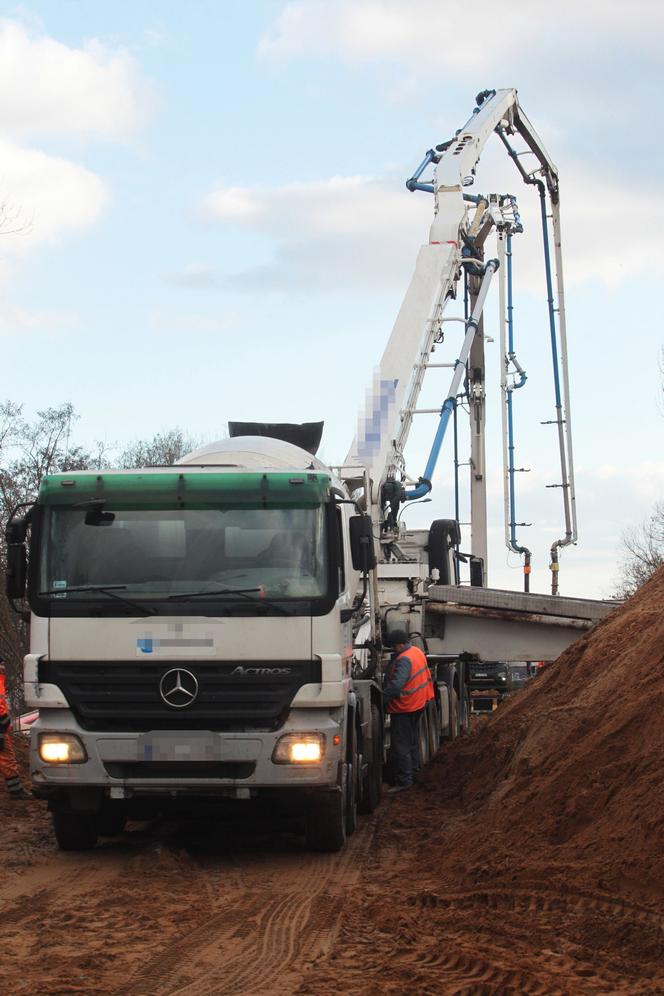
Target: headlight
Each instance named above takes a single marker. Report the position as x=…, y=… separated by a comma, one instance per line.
x=61, y=748
x=299, y=748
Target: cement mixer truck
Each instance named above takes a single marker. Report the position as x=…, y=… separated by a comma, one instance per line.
x=213, y=632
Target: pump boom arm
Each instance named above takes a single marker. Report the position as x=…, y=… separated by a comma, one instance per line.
x=436, y=270
x=385, y=422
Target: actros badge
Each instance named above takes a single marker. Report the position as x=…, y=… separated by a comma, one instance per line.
x=178, y=688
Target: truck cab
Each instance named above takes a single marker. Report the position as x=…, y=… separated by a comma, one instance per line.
x=192, y=637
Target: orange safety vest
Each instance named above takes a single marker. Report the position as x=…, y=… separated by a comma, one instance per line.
x=418, y=690
x=4, y=705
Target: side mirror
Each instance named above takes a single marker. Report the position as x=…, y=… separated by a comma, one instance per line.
x=16, y=530
x=16, y=570
x=362, y=543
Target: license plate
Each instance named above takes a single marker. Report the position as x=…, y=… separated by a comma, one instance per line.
x=192, y=746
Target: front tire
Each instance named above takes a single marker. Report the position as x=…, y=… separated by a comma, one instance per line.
x=112, y=819
x=454, y=715
x=423, y=738
x=326, y=819
x=74, y=831
x=434, y=731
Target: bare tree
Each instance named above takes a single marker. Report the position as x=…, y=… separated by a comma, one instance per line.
x=643, y=552
x=29, y=451
x=164, y=449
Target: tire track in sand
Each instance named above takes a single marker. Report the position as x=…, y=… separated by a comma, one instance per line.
x=65, y=875
x=543, y=901
x=286, y=914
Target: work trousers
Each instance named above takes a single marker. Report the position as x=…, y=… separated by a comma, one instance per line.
x=8, y=768
x=405, y=742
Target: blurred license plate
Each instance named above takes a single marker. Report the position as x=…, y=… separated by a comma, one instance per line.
x=192, y=746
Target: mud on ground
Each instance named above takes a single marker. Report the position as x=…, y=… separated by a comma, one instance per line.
x=526, y=861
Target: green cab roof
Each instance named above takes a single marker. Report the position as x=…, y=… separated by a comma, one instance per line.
x=181, y=488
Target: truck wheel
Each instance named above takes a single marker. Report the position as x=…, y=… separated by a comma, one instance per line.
x=372, y=785
x=423, y=736
x=465, y=715
x=112, y=818
x=434, y=731
x=454, y=715
x=74, y=831
x=326, y=821
x=388, y=770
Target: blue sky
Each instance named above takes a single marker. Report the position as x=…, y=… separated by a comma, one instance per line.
x=215, y=225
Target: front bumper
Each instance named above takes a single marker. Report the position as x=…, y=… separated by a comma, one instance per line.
x=197, y=762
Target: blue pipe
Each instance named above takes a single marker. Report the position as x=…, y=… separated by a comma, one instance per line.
x=412, y=183
x=424, y=486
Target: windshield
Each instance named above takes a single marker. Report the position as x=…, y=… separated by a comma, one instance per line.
x=262, y=553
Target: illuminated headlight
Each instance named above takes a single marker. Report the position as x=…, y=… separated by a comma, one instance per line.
x=61, y=748
x=299, y=748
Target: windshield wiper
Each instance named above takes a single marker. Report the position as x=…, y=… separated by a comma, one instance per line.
x=245, y=592
x=105, y=589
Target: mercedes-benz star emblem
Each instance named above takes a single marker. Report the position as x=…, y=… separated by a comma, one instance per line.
x=178, y=688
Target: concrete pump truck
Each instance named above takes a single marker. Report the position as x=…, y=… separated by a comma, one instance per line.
x=213, y=632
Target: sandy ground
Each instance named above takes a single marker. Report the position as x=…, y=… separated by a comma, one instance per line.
x=199, y=910
x=527, y=860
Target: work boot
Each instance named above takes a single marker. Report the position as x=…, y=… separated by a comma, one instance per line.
x=21, y=794
x=399, y=788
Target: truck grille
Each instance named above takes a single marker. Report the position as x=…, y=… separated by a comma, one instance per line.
x=125, y=695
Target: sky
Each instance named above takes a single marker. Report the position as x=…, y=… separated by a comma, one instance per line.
x=204, y=218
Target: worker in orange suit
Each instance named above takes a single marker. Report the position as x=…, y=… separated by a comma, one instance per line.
x=407, y=690
x=8, y=766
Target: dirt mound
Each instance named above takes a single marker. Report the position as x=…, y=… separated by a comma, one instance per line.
x=529, y=857
x=568, y=776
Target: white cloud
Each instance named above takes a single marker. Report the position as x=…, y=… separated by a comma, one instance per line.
x=444, y=36
x=366, y=230
x=596, y=212
x=644, y=481
x=232, y=204
x=581, y=68
x=44, y=196
x=47, y=87
x=362, y=230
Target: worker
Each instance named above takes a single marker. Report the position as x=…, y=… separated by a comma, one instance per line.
x=407, y=690
x=8, y=767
